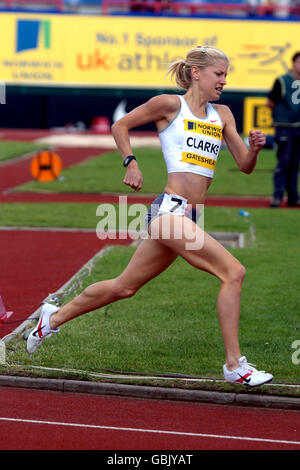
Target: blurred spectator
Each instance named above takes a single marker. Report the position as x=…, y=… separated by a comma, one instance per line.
x=283, y=10
x=137, y=5
x=151, y=6
x=284, y=100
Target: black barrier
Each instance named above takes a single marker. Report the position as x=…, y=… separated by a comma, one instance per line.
x=45, y=108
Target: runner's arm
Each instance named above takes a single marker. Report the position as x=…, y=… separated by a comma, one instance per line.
x=154, y=110
x=246, y=158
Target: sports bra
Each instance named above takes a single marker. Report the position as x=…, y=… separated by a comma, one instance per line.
x=190, y=144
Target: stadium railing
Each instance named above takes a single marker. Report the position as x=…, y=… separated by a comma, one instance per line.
x=199, y=7
x=258, y=8
x=33, y=4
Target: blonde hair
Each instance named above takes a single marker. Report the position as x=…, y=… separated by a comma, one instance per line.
x=200, y=56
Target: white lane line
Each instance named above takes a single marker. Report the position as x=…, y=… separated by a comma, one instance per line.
x=153, y=431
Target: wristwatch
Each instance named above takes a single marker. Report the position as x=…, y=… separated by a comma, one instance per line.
x=128, y=160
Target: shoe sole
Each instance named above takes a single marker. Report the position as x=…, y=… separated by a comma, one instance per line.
x=255, y=385
x=36, y=329
x=36, y=344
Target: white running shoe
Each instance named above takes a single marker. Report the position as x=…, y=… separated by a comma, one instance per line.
x=246, y=374
x=42, y=329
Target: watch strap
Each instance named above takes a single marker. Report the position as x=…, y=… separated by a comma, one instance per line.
x=128, y=160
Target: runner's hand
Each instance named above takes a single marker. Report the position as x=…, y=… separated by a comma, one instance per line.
x=133, y=177
x=256, y=140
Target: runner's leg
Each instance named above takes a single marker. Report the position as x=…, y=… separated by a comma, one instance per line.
x=149, y=260
x=209, y=255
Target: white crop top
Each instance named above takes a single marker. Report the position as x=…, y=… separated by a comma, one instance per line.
x=190, y=144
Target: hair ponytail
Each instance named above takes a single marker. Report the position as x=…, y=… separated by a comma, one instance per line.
x=200, y=56
x=181, y=73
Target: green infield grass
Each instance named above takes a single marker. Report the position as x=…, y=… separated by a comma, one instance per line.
x=13, y=149
x=171, y=326
x=105, y=174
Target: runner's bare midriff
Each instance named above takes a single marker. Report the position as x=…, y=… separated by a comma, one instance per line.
x=188, y=185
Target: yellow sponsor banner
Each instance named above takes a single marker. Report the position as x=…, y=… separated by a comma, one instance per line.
x=106, y=51
x=257, y=115
x=200, y=160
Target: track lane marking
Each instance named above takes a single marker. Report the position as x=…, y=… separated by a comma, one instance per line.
x=153, y=431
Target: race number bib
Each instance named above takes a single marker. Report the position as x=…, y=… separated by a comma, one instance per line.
x=173, y=204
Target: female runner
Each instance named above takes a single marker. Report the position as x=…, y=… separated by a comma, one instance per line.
x=191, y=130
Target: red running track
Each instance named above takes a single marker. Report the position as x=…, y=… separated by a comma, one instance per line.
x=34, y=419
x=16, y=172
x=35, y=263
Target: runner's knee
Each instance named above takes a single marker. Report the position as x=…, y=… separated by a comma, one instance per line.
x=236, y=274
x=123, y=291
